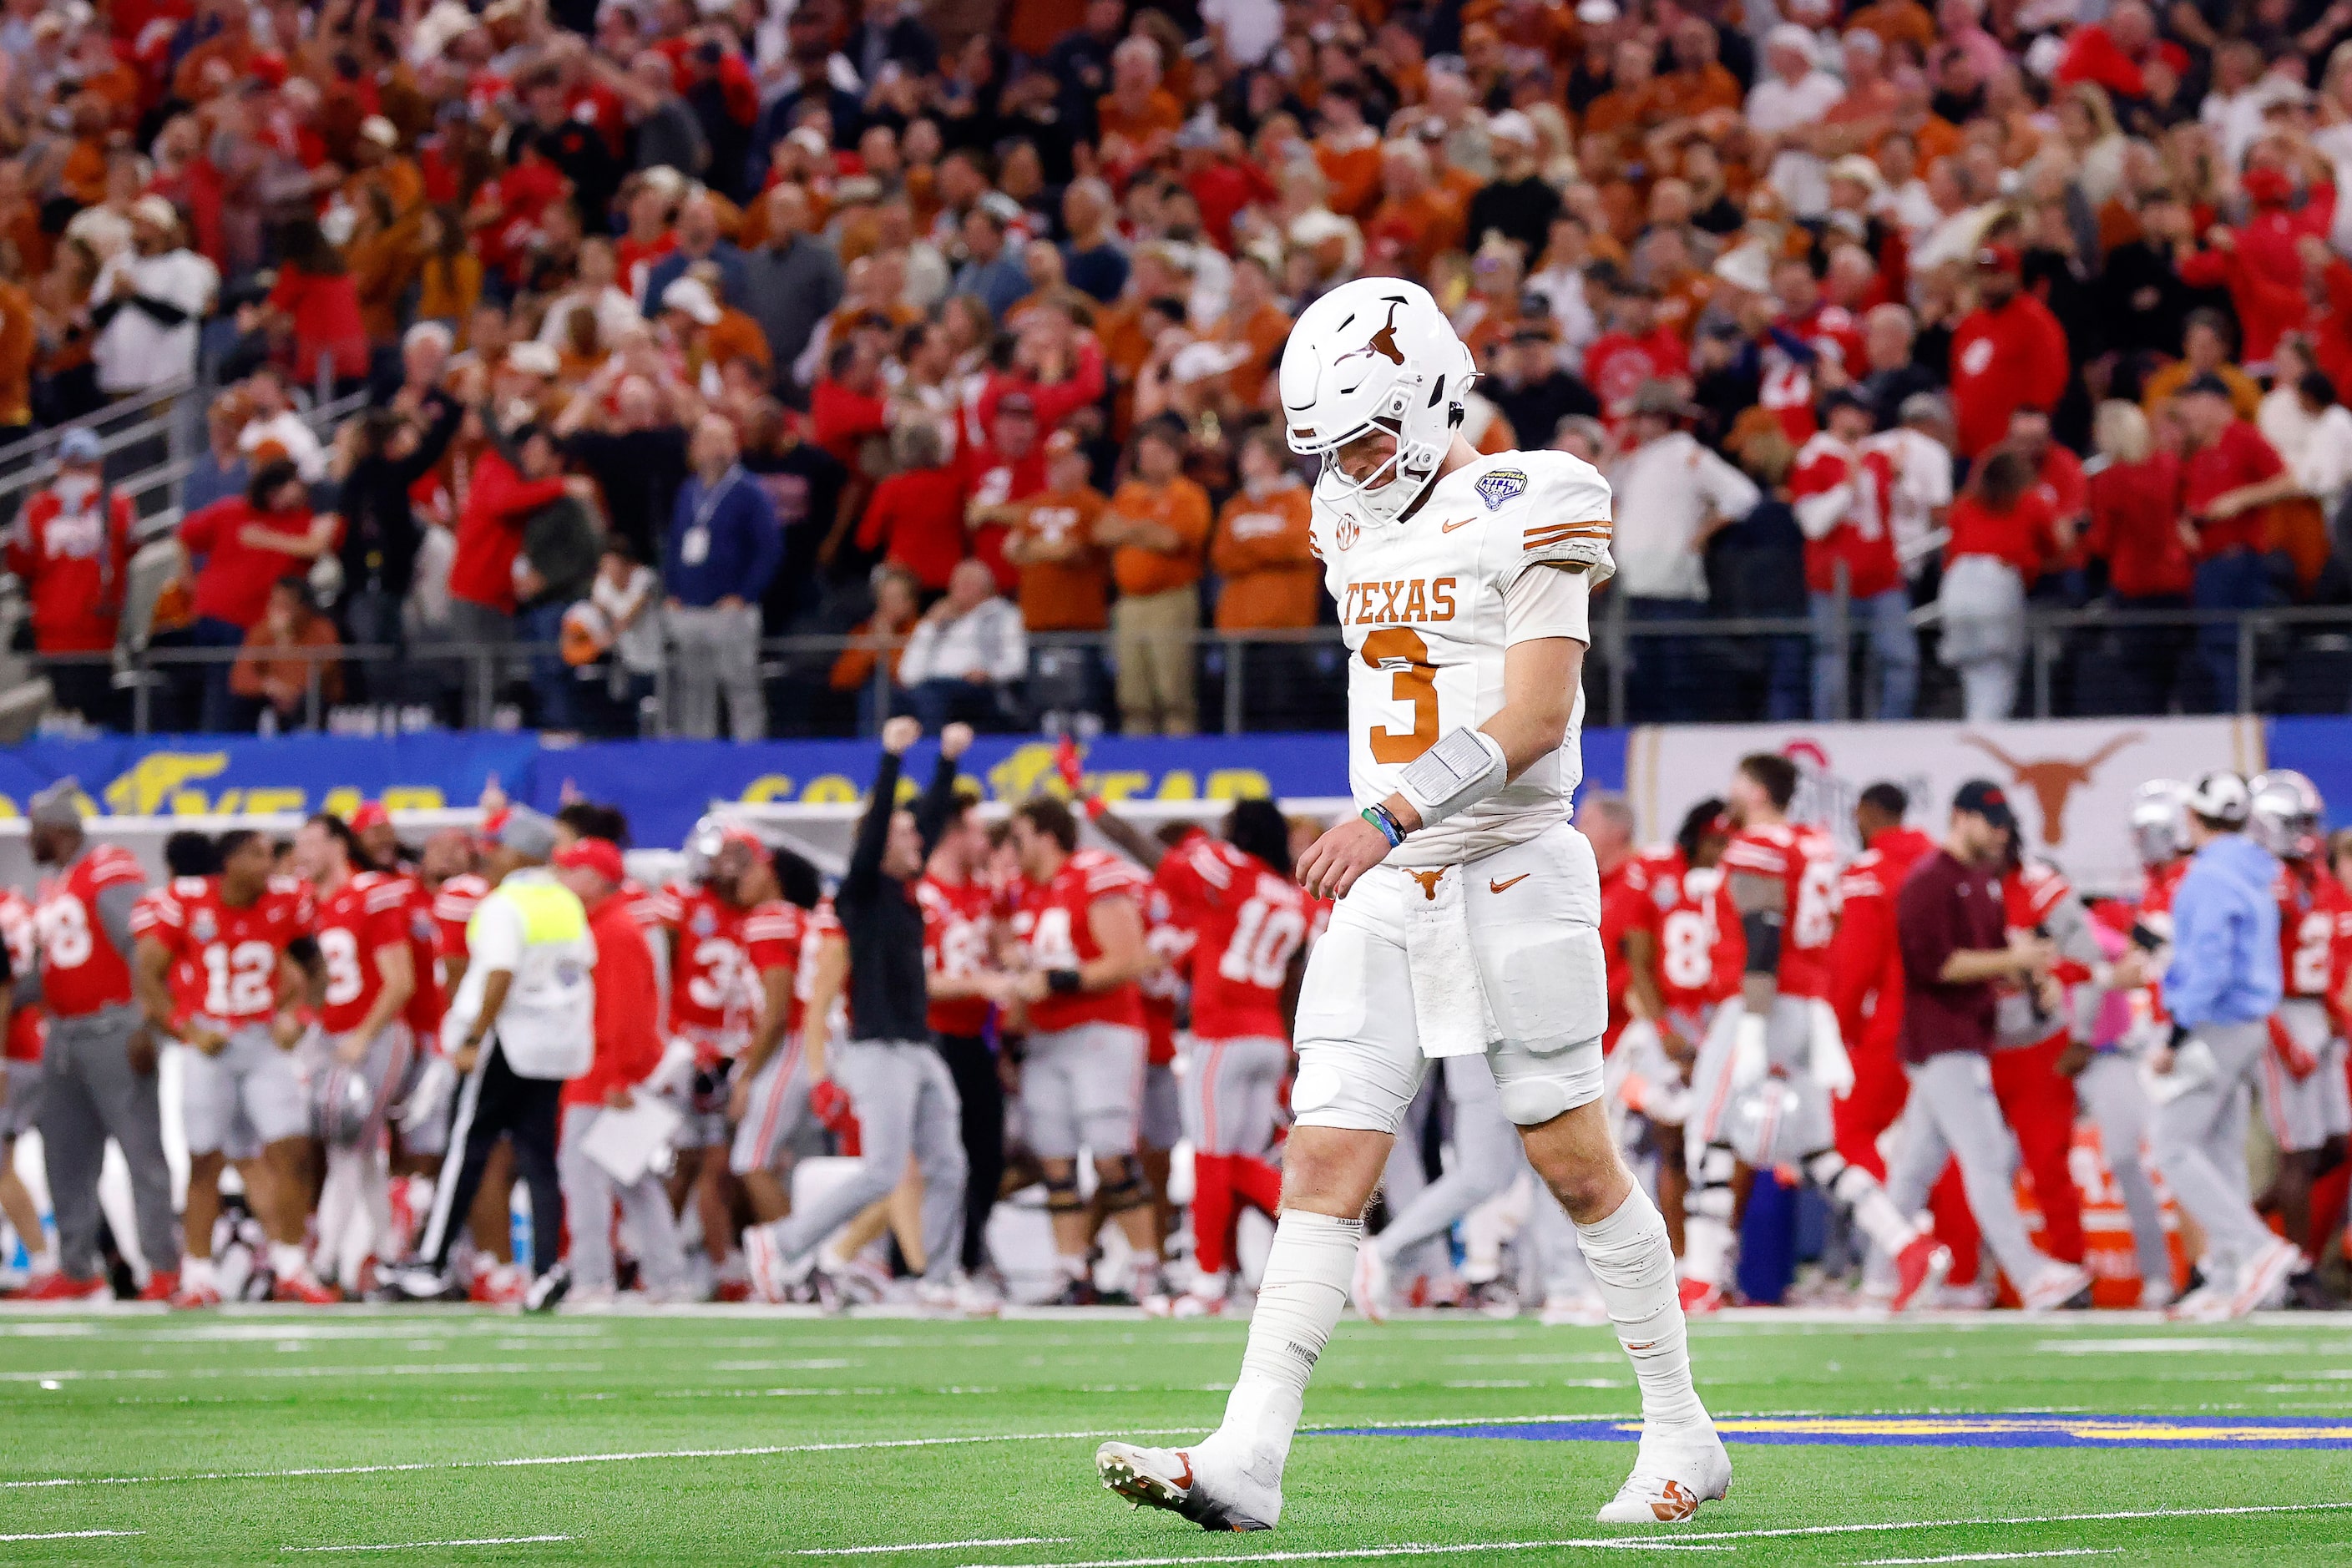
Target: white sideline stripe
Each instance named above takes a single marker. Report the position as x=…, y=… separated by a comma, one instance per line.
x=71, y=1534
x=1696, y=1539
x=1990, y=1556
x=418, y=1546
x=422, y=1369
x=931, y=1546
x=757, y=1451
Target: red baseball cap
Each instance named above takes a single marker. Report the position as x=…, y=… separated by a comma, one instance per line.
x=600, y=856
x=370, y=813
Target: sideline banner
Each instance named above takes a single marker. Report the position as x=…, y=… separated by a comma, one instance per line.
x=2070, y=780
x=194, y=775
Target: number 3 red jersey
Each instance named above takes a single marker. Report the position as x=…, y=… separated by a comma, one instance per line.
x=1052, y=920
x=1804, y=861
x=81, y=969
x=706, y=993
x=1246, y=924
x=368, y=913
x=236, y=951
x=955, y=947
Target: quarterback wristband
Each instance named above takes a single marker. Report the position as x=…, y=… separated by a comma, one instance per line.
x=1390, y=829
x=1463, y=768
x=1061, y=981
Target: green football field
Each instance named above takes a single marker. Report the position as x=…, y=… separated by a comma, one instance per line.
x=464, y=1435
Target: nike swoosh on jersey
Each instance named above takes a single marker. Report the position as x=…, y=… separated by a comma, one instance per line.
x=1495, y=886
x=1457, y=522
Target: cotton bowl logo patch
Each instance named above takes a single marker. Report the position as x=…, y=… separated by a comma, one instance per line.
x=1500, y=486
x=201, y=926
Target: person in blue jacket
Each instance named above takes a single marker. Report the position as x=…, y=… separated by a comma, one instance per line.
x=723, y=545
x=2223, y=984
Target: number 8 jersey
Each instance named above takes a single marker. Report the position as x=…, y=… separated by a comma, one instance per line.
x=1427, y=608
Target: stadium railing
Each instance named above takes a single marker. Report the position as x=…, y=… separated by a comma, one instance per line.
x=2091, y=662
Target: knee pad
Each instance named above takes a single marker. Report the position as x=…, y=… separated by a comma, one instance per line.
x=1130, y=1189
x=1533, y=1101
x=1062, y=1195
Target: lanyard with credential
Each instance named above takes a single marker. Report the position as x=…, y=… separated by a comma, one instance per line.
x=694, y=549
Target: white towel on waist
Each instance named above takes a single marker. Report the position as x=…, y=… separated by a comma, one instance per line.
x=1449, y=1004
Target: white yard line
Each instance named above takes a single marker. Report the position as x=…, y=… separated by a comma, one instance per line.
x=420, y=1545
x=1698, y=1539
x=930, y=1546
x=71, y=1534
x=1988, y=1557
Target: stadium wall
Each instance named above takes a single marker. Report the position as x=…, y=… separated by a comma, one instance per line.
x=2072, y=777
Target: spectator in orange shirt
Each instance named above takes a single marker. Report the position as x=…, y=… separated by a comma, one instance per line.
x=1348, y=151
x=270, y=674
x=1253, y=319
x=714, y=334
x=1065, y=579
x=1137, y=116
x=1415, y=220
x=1157, y=523
x=879, y=638
x=1269, y=574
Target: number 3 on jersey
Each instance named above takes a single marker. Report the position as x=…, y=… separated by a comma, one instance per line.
x=238, y=980
x=1413, y=681
x=339, y=950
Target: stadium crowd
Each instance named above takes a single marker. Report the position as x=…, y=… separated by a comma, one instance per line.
x=386, y=1040
x=680, y=325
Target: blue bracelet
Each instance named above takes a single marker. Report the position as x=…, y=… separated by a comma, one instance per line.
x=1378, y=817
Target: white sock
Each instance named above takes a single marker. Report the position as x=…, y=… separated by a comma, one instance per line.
x=1633, y=1269
x=1706, y=1249
x=1306, y=1284
x=288, y=1260
x=371, y=1217
x=195, y=1271
x=339, y=1197
x=1873, y=1211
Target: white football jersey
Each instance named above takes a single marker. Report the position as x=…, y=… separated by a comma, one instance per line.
x=1421, y=610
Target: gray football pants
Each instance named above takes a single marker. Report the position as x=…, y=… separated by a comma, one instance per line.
x=89, y=1094
x=2200, y=1137
x=905, y=1102
x=1952, y=1114
x=2110, y=1091
x=1488, y=1157
x=589, y=1194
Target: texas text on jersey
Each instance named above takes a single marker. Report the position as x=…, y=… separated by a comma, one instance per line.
x=1429, y=607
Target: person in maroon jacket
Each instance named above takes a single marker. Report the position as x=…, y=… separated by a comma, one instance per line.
x=628, y=1050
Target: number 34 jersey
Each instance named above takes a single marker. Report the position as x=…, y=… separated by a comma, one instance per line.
x=1427, y=608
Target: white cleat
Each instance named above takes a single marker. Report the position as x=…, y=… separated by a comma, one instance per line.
x=772, y=1273
x=2208, y=1303
x=1369, y=1289
x=2261, y=1282
x=1191, y=1483
x=1678, y=1469
x=2060, y=1285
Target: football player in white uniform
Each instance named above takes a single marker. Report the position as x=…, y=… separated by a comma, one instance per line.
x=1469, y=907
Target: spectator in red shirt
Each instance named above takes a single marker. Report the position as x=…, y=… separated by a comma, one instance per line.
x=70, y=550
x=316, y=306
x=1844, y=497
x=2229, y=475
x=2259, y=261
x=997, y=478
x=2008, y=353
x=2135, y=528
x=917, y=516
x=2002, y=532
x=245, y=544
x=628, y=1049
x=849, y=403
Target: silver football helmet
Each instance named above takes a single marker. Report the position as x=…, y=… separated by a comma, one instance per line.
x=2159, y=821
x=2286, y=815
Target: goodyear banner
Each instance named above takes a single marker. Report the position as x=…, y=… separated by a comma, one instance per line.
x=663, y=784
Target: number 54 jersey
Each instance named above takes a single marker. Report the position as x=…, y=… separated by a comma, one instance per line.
x=1504, y=550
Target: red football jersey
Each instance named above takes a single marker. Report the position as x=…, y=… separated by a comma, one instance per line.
x=773, y=935
x=1624, y=905
x=1865, y=963
x=708, y=989
x=2155, y=913
x=1701, y=947
x=81, y=969
x=1052, y=920
x=2315, y=929
x=1246, y=922
x=453, y=906
x=24, y=1025
x=368, y=913
x=1862, y=540
x=427, y=1002
x=955, y=946
x=2027, y=894
x=238, y=950
x=1804, y=861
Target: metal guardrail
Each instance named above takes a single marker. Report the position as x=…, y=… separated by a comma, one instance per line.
x=1240, y=686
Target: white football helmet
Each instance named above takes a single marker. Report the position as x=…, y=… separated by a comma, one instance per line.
x=2220, y=797
x=2159, y=826
x=1375, y=353
x=2287, y=817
